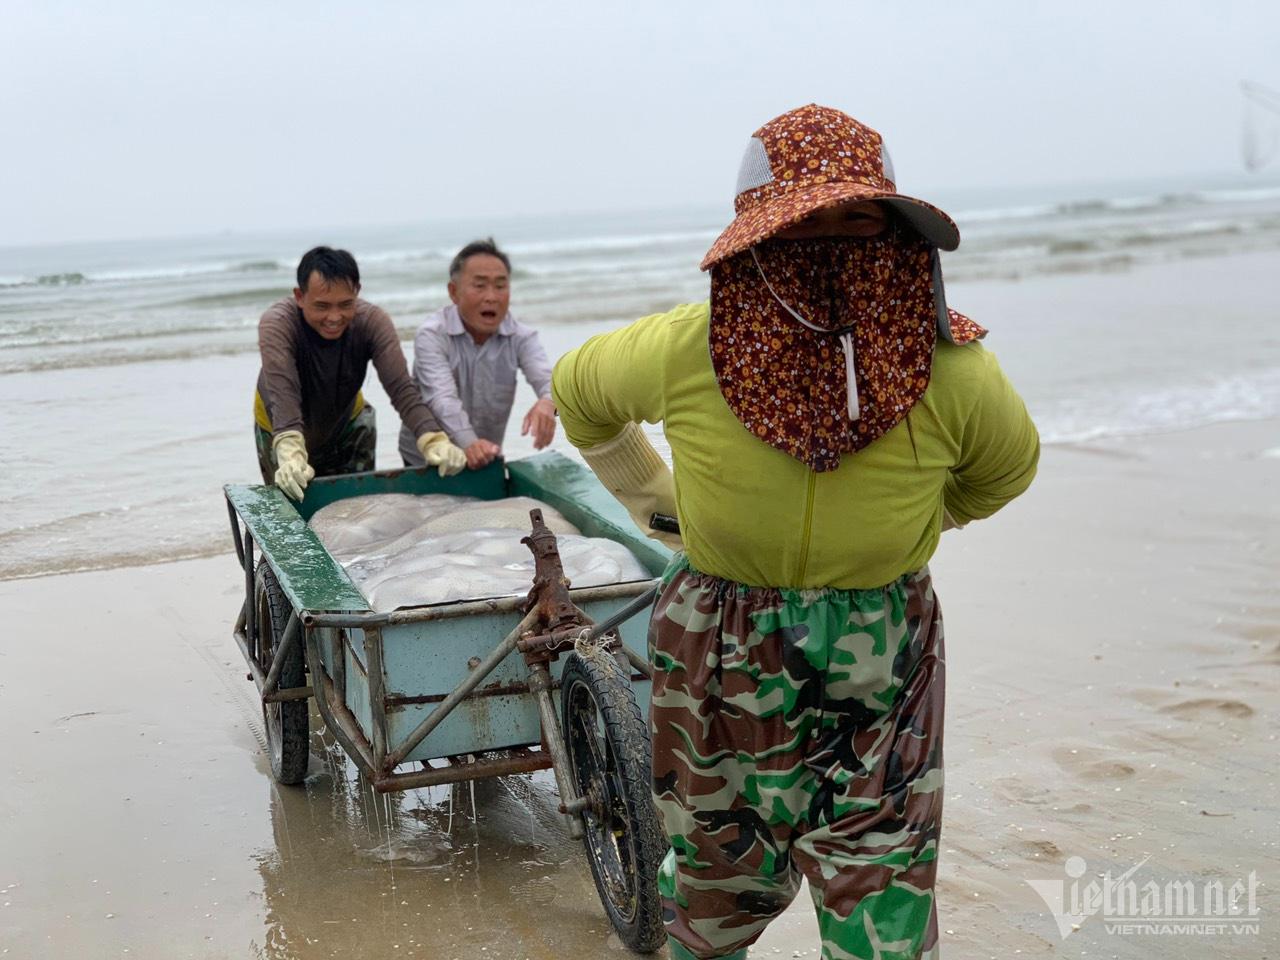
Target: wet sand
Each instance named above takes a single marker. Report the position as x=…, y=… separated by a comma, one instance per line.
x=1114, y=695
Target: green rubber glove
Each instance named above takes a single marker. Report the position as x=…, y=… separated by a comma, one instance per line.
x=440, y=453
x=292, y=470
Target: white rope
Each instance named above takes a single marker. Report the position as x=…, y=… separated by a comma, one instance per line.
x=846, y=343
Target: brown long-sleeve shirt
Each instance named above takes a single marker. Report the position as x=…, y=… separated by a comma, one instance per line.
x=310, y=384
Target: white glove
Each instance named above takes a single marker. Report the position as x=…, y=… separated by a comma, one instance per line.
x=292, y=470
x=440, y=453
x=632, y=471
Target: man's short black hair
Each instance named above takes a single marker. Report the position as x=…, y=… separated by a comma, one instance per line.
x=331, y=264
x=470, y=250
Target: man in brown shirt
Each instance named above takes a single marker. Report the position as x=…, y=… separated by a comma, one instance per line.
x=311, y=418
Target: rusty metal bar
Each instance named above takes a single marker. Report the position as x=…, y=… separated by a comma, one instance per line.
x=553, y=739
x=494, y=690
x=460, y=693
x=450, y=611
x=626, y=613
x=550, y=592
x=242, y=641
x=377, y=698
x=287, y=642
x=462, y=772
x=291, y=693
x=260, y=678
x=337, y=717
x=641, y=665
x=514, y=688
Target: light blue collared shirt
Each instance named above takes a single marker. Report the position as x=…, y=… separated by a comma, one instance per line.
x=470, y=388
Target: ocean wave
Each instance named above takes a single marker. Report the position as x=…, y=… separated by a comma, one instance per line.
x=71, y=278
x=60, y=279
x=142, y=274
x=1068, y=208
x=80, y=561
x=181, y=271
x=590, y=270
x=53, y=338
x=78, y=360
x=259, y=266
x=1238, y=194
x=408, y=255
x=1170, y=234
x=1238, y=398
x=1041, y=250
x=611, y=243
x=245, y=296
x=546, y=255
x=1132, y=204
x=994, y=214
x=614, y=289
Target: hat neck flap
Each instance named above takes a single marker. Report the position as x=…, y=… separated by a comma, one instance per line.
x=821, y=346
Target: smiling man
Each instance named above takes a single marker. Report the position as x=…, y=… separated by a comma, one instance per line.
x=465, y=359
x=311, y=417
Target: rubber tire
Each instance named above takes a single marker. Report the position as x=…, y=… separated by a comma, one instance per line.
x=287, y=722
x=598, y=681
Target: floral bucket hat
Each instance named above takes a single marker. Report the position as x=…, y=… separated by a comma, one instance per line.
x=822, y=345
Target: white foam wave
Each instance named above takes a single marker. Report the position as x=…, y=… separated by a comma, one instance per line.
x=1245, y=397
x=593, y=244
x=142, y=274
x=1239, y=194
x=409, y=255
x=1137, y=203
x=993, y=214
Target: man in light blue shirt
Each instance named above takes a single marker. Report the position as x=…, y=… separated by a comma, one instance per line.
x=465, y=359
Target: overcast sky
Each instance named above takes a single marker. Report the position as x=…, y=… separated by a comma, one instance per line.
x=173, y=118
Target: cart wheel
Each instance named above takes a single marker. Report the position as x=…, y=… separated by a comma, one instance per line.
x=609, y=752
x=286, y=722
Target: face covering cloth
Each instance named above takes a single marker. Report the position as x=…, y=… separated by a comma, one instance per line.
x=821, y=346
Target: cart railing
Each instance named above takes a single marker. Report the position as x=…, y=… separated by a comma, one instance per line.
x=387, y=687
x=330, y=618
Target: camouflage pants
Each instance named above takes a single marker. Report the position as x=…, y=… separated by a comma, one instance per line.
x=798, y=733
x=352, y=452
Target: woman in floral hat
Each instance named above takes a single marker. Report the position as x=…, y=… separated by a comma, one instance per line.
x=828, y=417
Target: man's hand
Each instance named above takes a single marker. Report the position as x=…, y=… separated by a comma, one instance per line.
x=293, y=472
x=541, y=422
x=481, y=454
x=438, y=452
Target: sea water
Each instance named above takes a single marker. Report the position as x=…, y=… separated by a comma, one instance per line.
x=127, y=369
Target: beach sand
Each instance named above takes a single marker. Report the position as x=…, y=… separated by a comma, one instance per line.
x=1114, y=670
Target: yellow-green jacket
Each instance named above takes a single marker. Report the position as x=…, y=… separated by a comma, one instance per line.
x=752, y=514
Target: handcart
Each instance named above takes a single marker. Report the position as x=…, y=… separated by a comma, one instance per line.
x=449, y=692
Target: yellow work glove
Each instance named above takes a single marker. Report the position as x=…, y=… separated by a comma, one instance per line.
x=292, y=470
x=632, y=471
x=440, y=453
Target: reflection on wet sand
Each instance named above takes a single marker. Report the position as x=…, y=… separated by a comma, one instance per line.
x=1113, y=695
x=480, y=869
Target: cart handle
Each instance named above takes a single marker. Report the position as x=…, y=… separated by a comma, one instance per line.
x=626, y=613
